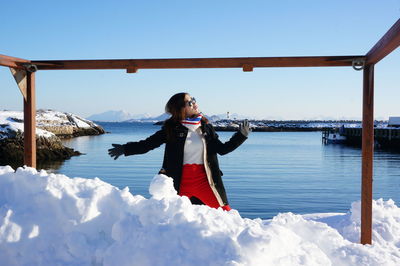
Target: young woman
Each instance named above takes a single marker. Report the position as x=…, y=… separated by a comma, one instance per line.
x=190, y=156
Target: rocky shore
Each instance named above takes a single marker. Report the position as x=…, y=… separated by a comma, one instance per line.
x=52, y=126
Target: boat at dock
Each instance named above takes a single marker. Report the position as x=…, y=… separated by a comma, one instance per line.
x=333, y=136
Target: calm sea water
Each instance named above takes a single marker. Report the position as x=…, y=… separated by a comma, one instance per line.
x=271, y=172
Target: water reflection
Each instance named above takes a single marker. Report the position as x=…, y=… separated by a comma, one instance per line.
x=50, y=166
x=271, y=172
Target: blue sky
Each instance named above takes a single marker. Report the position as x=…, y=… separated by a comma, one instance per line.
x=189, y=29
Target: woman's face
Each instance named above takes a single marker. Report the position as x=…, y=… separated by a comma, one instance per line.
x=191, y=107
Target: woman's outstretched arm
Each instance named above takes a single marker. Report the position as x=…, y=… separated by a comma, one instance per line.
x=235, y=141
x=139, y=147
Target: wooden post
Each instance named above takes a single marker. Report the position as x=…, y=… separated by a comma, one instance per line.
x=30, y=122
x=367, y=154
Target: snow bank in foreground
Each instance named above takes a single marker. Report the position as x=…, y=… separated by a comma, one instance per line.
x=48, y=219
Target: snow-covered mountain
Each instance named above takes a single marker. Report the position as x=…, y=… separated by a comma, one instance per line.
x=162, y=117
x=116, y=116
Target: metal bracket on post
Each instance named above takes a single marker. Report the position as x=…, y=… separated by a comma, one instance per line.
x=358, y=64
x=30, y=67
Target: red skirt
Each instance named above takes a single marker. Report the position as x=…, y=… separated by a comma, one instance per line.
x=194, y=183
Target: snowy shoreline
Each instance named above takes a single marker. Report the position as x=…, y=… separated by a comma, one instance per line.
x=49, y=219
x=48, y=123
x=290, y=125
x=282, y=125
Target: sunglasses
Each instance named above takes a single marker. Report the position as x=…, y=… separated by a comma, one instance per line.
x=191, y=102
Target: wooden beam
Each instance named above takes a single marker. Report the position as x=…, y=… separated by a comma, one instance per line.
x=388, y=43
x=8, y=63
x=12, y=62
x=238, y=62
x=30, y=122
x=367, y=154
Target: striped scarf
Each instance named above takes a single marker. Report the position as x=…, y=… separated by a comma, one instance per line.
x=192, y=123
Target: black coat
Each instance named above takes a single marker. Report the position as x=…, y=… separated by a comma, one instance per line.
x=173, y=155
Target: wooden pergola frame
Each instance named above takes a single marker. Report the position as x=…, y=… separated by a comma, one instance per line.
x=24, y=73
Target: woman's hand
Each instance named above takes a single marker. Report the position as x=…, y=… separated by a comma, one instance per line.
x=117, y=151
x=244, y=128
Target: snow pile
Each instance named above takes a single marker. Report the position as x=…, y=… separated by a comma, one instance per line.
x=48, y=219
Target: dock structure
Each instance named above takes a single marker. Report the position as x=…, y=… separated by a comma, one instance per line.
x=24, y=70
x=383, y=137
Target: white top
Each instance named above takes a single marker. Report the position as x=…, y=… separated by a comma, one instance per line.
x=194, y=147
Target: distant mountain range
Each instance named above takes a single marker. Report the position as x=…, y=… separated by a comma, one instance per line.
x=116, y=116
x=162, y=117
x=122, y=116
